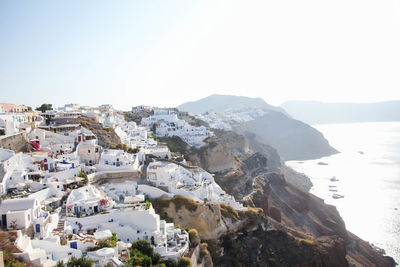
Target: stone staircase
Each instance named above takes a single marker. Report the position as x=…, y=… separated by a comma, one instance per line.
x=61, y=223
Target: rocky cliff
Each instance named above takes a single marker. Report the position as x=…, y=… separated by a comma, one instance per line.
x=106, y=136
x=286, y=225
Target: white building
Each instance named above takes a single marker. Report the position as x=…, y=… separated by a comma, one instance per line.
x=191, y=182
x=19, y=213
x=53, y=142
x=43, y=252
x=125, y=192
x=14, y=169
x=11, y=123
x=141, y=108
x=135, y=223
x=132, y=135
x=118, y=158
x=105, y=255
x=89, y=153
x=87, y=200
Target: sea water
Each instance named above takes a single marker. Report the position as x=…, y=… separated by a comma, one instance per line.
x=367, y=171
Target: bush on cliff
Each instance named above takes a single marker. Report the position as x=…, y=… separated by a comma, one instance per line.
x=251, y=214
x=229, y=212
x=160, y=204
x=194, y=237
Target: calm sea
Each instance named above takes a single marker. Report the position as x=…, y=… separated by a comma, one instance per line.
x=368, y=174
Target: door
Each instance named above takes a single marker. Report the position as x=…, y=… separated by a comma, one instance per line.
x=37, y=228
x=76, y=211
x=73, y=245
x=4, y=220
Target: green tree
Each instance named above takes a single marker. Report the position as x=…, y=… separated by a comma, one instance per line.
x=60, y=263
x=81, y=262
x=113, y=240
x=156, y=258
x=45, y=107
x=148, y=204
x=144, y=247
x=84, y=176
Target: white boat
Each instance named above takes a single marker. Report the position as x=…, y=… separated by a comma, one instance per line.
x=337, y=196
x=334, y=179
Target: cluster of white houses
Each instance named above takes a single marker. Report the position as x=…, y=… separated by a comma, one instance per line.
x=166, y=123
x=55, y=191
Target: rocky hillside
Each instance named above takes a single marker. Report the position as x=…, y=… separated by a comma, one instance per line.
x=219, y=153
x=137, y=116
x=285, y=226
x=106, y=136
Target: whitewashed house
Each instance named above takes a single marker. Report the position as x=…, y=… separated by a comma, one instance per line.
x=43, y=252
x=117, y=158
x=125, y=192
x=167, y=123
x=135, y=223
x=89, y=153
x=191, y=182
x=105, y=255
x=19, y=213
x=87, y=200
x=14, y=169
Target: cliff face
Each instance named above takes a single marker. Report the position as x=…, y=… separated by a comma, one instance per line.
x=220, y=152
x=206, y=218
x=106, y=136
x=276, y=247
x=305, y=216
x=295, y=228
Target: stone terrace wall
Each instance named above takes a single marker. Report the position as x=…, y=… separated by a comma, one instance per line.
x=18, y=142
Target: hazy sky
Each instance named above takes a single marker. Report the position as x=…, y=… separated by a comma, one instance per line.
x=164, y=53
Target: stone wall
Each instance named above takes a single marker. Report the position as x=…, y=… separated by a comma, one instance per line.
x=18, y=142
x=116, y=177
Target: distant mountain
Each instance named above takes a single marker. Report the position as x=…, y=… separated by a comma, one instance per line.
x=314, y=112
x=220, y=103
x=293, y=139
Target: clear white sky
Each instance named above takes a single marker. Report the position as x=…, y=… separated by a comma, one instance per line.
x=164, y=53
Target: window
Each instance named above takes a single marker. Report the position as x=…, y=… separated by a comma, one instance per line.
x=29, y=217
x=96, y=150
x=88, y=151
